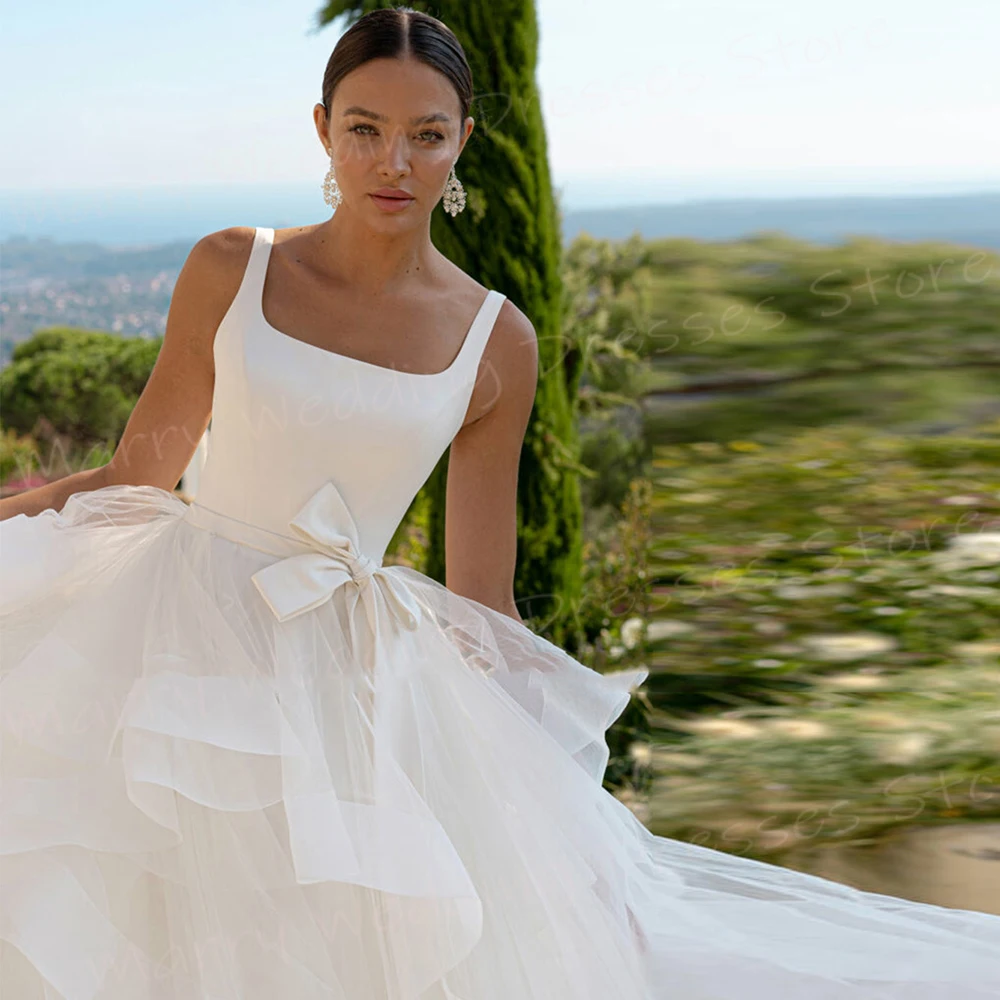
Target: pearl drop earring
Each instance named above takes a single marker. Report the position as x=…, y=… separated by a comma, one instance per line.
x=332, y=194
x=454, y=194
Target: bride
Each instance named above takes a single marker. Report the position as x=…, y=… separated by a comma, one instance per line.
x=245, y=758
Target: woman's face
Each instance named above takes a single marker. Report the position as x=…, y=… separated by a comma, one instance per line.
x=394, y=123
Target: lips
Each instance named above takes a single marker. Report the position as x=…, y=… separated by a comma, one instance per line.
x=391, y=200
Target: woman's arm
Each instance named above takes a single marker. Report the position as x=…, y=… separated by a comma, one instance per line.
x=481, y=505
x=174, y=408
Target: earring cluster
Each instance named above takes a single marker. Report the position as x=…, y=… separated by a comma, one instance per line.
x=454, y=194
x=332, y=194
x=453, y=200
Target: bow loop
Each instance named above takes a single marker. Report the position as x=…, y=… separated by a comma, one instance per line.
x=299, y=583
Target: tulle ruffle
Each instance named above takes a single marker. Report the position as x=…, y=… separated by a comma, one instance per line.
x=201, y=801
x=204, y=801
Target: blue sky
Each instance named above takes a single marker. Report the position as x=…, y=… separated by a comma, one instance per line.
x=663, y=100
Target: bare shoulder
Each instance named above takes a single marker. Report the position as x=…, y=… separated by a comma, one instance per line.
x=224, y=254
x=207, y=285
x=513, y=343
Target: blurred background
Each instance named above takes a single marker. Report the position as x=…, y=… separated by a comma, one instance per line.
x=777, y=483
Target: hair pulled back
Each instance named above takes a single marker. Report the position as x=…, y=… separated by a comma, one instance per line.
x=396, y=33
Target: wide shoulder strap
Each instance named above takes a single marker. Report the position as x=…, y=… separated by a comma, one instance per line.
x=471, y=352
x=247, y=301
x=245, y=309
x=260, y=252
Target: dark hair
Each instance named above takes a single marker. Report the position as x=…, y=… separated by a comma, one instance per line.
x=396, y=33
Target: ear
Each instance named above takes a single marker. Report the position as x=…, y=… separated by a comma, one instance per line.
x=322, y=125
x=466, y=132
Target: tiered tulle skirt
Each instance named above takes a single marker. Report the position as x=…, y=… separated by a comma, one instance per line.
x=203, y=803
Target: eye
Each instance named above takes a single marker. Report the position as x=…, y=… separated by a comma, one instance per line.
x=436, y=136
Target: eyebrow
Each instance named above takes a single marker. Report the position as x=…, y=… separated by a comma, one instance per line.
x=354, y=109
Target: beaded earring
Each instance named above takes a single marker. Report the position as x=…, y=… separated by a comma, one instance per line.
x=454, y=194
x=332, y=194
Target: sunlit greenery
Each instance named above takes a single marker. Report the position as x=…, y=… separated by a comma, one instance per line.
x=828, y=622
x=823, y=630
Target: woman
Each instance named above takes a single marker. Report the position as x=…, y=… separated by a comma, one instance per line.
x=244, y=759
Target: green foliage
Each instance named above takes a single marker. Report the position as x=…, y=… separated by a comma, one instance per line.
x=613, y=458
x=18, y=455
x=83, y=383
x=813, y=415
x=821, y=527
x=604, y=295
x=919, y=747
x=615, y=582
x=772, y=309
x=604, y=285
x=827, y=631
x=953, y=451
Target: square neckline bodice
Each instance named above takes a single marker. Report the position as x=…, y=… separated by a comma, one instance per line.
x=268, y=234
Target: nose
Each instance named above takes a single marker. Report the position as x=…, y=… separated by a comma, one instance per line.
x=395, y=152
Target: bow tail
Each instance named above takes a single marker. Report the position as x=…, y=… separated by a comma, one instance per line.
x=389, y=610
x=406, y=607
x=364, y=636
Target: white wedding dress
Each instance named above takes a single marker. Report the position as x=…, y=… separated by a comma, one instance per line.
x=242, y=759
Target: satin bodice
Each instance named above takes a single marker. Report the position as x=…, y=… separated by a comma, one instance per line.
x=292, y=421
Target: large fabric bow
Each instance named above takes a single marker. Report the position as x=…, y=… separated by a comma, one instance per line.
x=301, y=582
